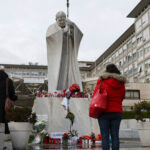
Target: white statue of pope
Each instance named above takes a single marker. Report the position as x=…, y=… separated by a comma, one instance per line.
x=63, y=40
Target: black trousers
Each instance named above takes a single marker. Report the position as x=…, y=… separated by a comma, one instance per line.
x=6, y=128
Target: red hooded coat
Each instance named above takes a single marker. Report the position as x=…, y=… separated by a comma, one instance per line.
x=114, y=85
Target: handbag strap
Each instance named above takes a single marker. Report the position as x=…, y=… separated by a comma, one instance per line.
x=101, y=83
x=7, y=88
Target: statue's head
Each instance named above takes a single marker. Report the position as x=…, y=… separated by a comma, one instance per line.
x=61, y=19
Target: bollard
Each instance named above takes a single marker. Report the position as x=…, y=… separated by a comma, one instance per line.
x=2, y=127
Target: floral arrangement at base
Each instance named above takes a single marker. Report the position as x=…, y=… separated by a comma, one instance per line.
x=65, y=138
x=73, y=91
x=39, y=133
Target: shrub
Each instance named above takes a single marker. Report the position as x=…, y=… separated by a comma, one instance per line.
x=142, y=110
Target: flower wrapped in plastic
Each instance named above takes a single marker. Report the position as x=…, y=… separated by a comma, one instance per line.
x=39, y=132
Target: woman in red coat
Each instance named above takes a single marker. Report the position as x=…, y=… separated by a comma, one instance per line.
x=109, y=121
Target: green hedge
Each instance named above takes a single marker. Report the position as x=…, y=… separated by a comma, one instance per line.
x=128, y=115
x=133, y=115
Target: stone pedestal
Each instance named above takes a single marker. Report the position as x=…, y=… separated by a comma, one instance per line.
x=57, y=122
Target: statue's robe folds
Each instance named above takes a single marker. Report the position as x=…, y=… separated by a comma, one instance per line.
x=62, y=52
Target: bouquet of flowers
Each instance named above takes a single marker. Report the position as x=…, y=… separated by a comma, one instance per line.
x=73, y=133
x=74, y=88
x=65, y=138
x=39, y=133
x=65, y=102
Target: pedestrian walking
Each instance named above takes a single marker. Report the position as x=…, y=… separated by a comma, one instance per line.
x=4, y=80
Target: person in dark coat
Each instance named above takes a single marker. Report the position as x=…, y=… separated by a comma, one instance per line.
x=11, y=93
x=109, y=121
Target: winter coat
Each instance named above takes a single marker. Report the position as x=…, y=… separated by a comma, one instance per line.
x=11, y=93
x=114, y=85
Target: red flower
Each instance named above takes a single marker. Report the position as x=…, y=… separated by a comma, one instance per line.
x=65, y=134
x=46, y=95
x=63, y=93
x=74, y=88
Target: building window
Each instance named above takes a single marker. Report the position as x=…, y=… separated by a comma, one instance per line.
x=145, y=19
x=125, y=47
x=147, y=48
x=113, y=57
x=110, y=59
x=139, y=39
x=140, y=52
x=138, y=25
x=134, y=41
x=120, y=51
x=26, y=73
x=132, y=94
x=125, y=60
x=42, y=74
x=146, y=34
x=141, y=68
x=134, y=55
x=130, y=70
x=129, y=57
x=147, y=64
x=129, y=45
x=135, y=70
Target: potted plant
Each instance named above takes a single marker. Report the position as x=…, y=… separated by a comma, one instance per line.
x=20, y=125
x=142, y=115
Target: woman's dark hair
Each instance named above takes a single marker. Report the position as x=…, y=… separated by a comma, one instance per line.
x=111, y=68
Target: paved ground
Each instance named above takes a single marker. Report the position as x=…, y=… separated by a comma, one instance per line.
x=126, y=144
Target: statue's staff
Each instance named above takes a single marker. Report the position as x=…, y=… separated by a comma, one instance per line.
x=67, y=8
x=68, y=48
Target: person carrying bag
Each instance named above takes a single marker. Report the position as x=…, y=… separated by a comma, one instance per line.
x=110, y=118
x=7, y=93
